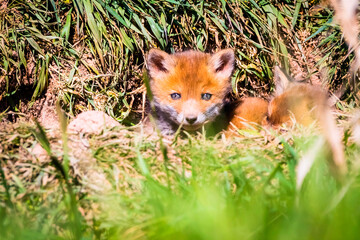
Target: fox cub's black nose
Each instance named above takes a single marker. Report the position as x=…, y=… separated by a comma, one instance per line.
x=191, y=120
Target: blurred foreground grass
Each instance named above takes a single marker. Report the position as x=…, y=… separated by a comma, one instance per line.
x=194, y=188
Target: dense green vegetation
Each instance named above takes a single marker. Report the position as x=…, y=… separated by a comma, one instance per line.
x=89, y=54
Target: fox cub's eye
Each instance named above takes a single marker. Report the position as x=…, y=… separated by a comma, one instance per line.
x=175, y=96
x=206, y=96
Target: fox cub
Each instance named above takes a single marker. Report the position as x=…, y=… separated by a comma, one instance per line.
x=189, y=90
x=292, y=102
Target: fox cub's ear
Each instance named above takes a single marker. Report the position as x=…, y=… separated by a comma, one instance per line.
x=281, y=79
x=159, y=62
x=222, y=63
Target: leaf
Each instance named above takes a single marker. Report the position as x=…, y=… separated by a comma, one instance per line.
x=128, y=42
x=322, y=28
x=156, y=30
x=296, y=13
x=143, y=29
x=306, y=162
x=91, y=21
x=142, y=164
x=121, y=19
x=35, y=45
x=66, y=29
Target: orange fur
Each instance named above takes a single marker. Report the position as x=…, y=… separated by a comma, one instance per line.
x=301, y=103
x=307, y=104
x=250, y=112
x=188, y=88
x=190, y=77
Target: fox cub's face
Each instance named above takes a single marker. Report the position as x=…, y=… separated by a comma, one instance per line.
x=190, y=87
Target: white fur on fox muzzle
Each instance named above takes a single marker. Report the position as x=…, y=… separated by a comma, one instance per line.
x=191, y=122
